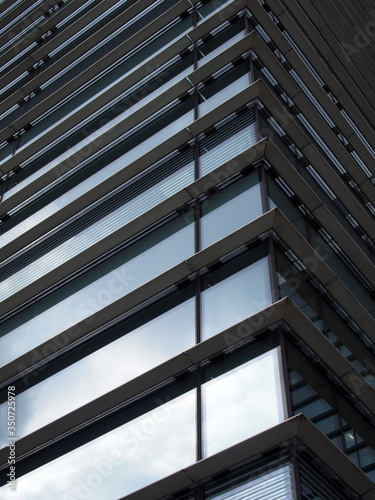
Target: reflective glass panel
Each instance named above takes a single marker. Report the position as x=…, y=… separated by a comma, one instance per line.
x=113, y=113
x=150, y=134
x=227, y=141
x=342, y=333
x=138, y=351
x=221, y=37
x=343, y=267
x=294, y=285
x=165, y=177
x=121, y=461
x=141, y=194
x=98, y=288
x=230, y=209
x=208, y=7
x=229, y=299
x=280, y=196
x=244, y=401
x=53, y=154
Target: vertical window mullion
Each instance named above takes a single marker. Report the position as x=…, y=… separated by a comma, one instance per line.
x=199, y=422
x=264, y=188
x=275, y=292
x=249, y=59
x=342, y=433
x=287, y=397
x=295, y=479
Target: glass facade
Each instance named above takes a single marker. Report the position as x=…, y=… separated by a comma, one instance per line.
x=170, y=429
x=241, y=392
x=186, y=252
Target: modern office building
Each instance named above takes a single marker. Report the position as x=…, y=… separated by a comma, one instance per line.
x=187, y=249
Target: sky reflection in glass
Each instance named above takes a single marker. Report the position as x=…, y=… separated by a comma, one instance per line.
x=235, y=298
x=139, y=264
x=120, y=361
x=242, y=402
x=231, y=209
x=139, y=452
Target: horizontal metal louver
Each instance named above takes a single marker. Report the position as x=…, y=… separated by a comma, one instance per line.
x=100, y=222
x=227, y=141
x=315, y=486
x=275, y=485
x=113, y=213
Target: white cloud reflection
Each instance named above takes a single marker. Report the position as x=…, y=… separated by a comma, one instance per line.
x=150, y=447
x=236, y=298
x=137, y=352
x=234, y=207
x=145, y=262
x=242, y=402
x=238, y=404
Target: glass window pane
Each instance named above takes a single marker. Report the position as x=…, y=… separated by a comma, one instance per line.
x=106, y=368
x=167, y=176
x=138, y=453
x=208, y=7
x=150, y=134
x=113, y=40
x=98, y=288
x=305, y=399
x=227, y=142
x=223, y=95
x=244, y=401
x=366, y=456
x=139, y=95
x=223, y=86
x=84, y=231
x=341, y=267
x=279, y=198
x=328, y=424
x=294, y=285
x=313, y=408
x=235, y=298
x=230, y=209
